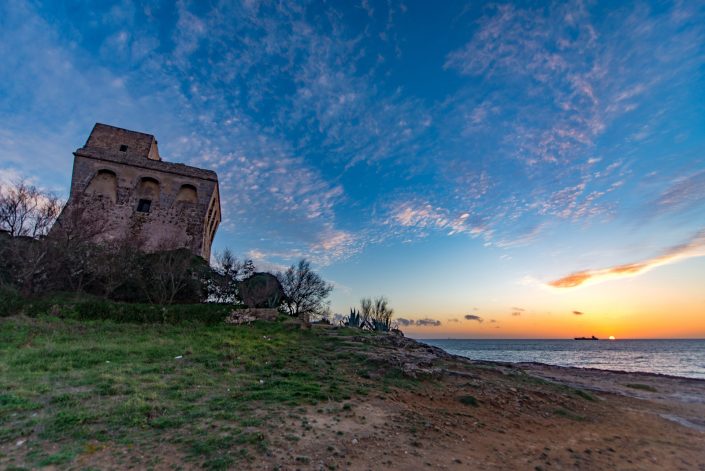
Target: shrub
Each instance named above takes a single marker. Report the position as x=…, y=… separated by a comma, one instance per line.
x=10, y=301
x=99, y=309
x=151, y=313
x=373, y=314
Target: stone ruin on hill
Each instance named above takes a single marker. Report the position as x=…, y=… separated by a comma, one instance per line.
x=121, y=189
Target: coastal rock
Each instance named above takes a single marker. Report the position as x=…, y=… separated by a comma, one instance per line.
x=420, y=370
x=412, y=358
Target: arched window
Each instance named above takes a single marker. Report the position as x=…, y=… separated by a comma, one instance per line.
x=104, y=185
x=187, y=194
x=147, y=194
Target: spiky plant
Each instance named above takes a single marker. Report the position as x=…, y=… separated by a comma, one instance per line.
x=353, y=319
x=381, y=325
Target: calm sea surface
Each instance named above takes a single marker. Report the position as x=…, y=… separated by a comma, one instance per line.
x=671, y=357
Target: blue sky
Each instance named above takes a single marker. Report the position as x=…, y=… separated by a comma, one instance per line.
x=455, y=156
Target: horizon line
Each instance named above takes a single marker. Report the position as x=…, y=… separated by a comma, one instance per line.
x=557, y=338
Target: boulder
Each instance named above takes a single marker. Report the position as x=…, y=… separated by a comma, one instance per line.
x=261, y=290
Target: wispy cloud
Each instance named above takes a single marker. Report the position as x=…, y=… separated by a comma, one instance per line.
x=521, y=237
x=473, y=317
x=684, y=191
x=422, y=219
x=695, y=247
x=334, y=244
x=324, y=146
x=566, y=80
x=576, y=81
x=578, y=313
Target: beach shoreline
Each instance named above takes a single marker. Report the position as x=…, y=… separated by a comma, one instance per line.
x=671, y=357
x=527, y=416
x=485, y=415
x=627, y=420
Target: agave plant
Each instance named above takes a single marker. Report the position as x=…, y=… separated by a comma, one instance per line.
x=353, y=319
x=381, y=325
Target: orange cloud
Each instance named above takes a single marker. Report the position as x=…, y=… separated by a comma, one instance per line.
x=695, y=247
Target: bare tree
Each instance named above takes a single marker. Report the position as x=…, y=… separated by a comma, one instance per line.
x=23, y=263
x=169, y=275
x=76, y=258
x=26, y=215
x=26, y=211
x=305, y=290
x=165, y=274
x=228, y=270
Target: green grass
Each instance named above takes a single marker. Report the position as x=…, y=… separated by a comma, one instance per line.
x=68, y=385
x=643, y=387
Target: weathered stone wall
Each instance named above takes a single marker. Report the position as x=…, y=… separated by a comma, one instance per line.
x=108, y=184
x=111, y=138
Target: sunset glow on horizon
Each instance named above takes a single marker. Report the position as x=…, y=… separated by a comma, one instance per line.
x=504, y=170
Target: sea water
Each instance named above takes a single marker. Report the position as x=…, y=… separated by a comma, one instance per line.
x=670, y=357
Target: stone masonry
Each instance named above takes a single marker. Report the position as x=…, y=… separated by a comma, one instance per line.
x=121, y=189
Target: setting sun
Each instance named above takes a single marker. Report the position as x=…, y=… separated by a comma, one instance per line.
x=611, y=337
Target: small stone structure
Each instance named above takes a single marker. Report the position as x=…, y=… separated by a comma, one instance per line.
x=121, y=189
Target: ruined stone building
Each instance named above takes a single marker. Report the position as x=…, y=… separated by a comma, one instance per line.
x=121, y=189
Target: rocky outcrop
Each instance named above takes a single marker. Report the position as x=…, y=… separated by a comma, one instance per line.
x=412, y=358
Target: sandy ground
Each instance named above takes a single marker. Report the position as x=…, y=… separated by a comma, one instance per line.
x=683, y=399
x=520, y=422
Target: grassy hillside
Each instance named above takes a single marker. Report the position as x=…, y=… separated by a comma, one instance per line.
x=98, y=394
x=210, y=392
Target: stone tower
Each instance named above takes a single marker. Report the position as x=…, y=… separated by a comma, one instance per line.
x=121, y=189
